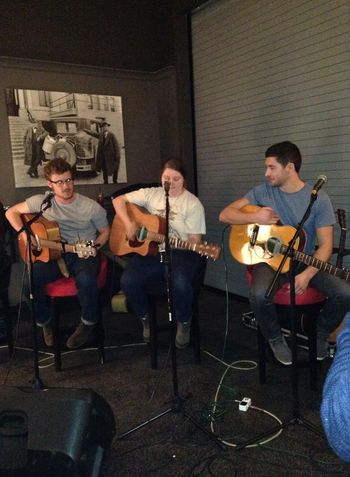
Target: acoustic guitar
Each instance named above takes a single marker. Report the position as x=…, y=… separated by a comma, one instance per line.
x=150, y=233
x=254, y=243
x=49, y=244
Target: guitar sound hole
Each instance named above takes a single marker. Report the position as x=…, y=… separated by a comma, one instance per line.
x=261, y=252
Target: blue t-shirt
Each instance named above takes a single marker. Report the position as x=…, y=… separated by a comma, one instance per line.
x=291, y=207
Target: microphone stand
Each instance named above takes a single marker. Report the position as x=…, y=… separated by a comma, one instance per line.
x=37, y=383
x=296, y=418
x=178, y=401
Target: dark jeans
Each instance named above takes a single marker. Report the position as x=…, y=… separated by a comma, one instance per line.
x=146, y=275
x=85, y=272
x=336, y=306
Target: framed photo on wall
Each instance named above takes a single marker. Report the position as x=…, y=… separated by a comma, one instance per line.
x=84, y=129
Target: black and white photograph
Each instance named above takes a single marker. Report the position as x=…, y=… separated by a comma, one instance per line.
x=84, y=129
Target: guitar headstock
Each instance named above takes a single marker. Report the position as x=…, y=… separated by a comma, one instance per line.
x=341, y=218
x=85, y=249
x=208, y=250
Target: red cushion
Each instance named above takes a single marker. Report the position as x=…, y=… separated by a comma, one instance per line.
x=67, y=286
x=282, y=297
x=309, y=297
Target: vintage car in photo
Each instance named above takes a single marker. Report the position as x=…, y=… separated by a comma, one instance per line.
x=73, y=139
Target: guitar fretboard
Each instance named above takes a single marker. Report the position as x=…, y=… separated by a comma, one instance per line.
x=343, y=273
x=173, y=241
x=57, y=245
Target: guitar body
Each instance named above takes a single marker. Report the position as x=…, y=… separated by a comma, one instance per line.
x=44, y=229
x=121, y=245
x=247, y=242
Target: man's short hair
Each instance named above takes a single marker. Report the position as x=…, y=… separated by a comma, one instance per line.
x=285, y=152
x=57, y=166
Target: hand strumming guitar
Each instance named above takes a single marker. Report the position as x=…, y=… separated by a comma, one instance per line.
x=267, y=216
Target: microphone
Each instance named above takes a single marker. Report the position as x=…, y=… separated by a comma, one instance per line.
x=322, y=179
x=166, y=186
x=49, y=196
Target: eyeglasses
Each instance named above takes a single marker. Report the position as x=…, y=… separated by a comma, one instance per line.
x=62, y=181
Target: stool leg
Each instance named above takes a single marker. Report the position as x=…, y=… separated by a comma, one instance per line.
x=100, y=335
x=7, y=319
x=261, y=356
x=196, y=333
x=312, y=337
x=56, y=334
x=153, y=339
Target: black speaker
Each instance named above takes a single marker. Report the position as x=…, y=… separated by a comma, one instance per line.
x=54, y=432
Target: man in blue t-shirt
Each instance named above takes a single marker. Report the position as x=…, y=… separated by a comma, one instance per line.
x=283, y=199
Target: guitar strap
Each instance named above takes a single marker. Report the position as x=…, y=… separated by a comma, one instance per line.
x=63, y=267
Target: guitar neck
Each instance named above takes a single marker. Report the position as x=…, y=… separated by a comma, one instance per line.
x=205, y=249
x=343, y=273
x=341, y=247
x=57, y=246
x=174, y=242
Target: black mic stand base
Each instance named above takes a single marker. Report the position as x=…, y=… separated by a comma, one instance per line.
x=177, y=407
x=298, y=420
x=177, y=402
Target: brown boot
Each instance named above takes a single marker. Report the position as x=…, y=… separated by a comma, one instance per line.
x=182, y=334
x=48, y=336
x=145, y=329
x=80, y=336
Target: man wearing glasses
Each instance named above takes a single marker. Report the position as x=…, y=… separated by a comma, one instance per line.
x=79, y=219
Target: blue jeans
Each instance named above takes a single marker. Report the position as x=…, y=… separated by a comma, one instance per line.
x=336, y=306
x=147, y=275
x=85, y=272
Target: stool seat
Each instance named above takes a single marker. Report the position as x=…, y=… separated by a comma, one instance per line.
x=66, y=288
x=309, y=297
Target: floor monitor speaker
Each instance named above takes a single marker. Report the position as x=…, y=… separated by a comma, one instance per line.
x=54, y=432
